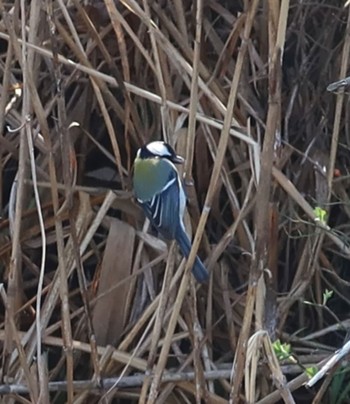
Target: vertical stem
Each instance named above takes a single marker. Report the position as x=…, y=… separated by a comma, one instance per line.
x=264, y=186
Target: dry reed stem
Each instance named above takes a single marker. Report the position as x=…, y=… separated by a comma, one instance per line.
x=277, y=19
x=194, y=95
x=238, y=365
x=14, y=275
x=29, y=64
x=337, y=113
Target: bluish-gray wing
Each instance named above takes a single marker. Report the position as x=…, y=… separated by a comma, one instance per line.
x=163, y=209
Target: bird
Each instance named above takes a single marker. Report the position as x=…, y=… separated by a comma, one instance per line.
x=159, y=191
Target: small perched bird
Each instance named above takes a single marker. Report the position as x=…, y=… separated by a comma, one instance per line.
x=158, y=189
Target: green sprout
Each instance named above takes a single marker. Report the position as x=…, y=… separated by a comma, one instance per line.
x=311, y=371
x=282, y=350
x=321, y=215
x=327, y=294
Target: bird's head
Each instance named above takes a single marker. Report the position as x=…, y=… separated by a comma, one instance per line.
x=159, y=149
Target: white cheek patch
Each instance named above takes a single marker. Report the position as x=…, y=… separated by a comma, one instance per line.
x=158, y=149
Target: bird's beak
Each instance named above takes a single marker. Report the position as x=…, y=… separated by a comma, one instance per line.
x=178, y=160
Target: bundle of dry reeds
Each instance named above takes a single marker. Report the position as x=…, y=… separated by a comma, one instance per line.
x=96, y=307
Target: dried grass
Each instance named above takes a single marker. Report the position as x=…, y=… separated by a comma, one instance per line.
x=96, y=308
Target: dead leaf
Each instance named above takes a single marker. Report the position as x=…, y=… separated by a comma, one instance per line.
x=110, y=311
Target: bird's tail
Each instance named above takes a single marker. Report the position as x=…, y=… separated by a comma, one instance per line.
x=199, y=270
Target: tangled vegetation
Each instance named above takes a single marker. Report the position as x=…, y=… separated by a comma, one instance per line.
x=94, y=306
